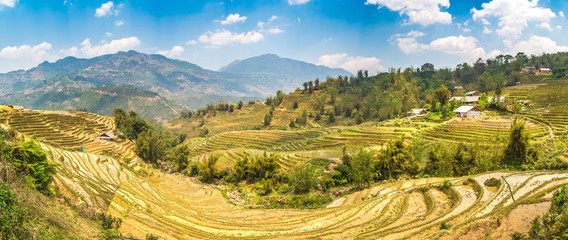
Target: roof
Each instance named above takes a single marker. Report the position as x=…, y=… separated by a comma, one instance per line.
x=466, y=99
x=107, y=134
x=471, y=92
x=417, y=110
x=464, y=109
x=458, y=87
x=545, y=69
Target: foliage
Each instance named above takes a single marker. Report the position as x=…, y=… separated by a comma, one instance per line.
x=483, y=101
x=130, y=124
x=256, y=169
x=302, y=179
x=150, y=146
x=179, y=156
x=31, y=160
x=492, y=182
x=12, y=216
x=110, y=226
x=394, y=161
x=516, y=153
x=203, y=132
x=443, y=94
x=208, y=170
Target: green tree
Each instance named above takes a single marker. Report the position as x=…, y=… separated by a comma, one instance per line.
x=208, y=169
x=302, y=179
x=443, y=94
x=180, y=157
x=516, y=152
x=498, y=90
x=362, y=168
x=150, y=146
x=394, y=160
x=240, y=104
x=483, y=101
x=31, y=160
x=12, y=216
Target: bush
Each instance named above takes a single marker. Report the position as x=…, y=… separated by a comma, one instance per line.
x=31, y=160
x=492, y=182
x=208, y=170
x=302, y=179
x=12, y=217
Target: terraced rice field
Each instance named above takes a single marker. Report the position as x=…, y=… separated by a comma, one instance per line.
x=484, y=131
x=178, y=208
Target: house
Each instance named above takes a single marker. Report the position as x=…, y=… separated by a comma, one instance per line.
x=467, y=100
x=473, y=93
x=543, y=72
x=468, y=111
x=528, y=70
x=18, y=107
x=107, y=136
x=417, y=112
x=457, y=89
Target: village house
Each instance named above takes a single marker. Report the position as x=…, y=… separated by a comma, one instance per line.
x=468, y=112
x=473, y=93
x=106, y=136
x=467, y=100
x=543, y=72
x=417, y=112
x=528, y=70
x=457, y=90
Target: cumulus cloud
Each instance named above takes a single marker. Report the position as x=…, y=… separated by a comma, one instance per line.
x=225, y=37
x=538, y=45
x=465, y=47
x=561, y=14
x=8, y=3
x=351, y=64
x=118, y=23
x=545, y=25
x=37, y=52
x=174, y=52
x=88, y=50
x=191, y=42
x=424, y=12
x=234, y=18
x=513, y=16
x=107, y=9
x=297, y=2
x=486, y=30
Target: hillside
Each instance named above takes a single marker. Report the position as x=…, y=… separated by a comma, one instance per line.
x=283, y=73
x=158, y=203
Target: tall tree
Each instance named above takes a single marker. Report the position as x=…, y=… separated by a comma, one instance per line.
x=443, y=94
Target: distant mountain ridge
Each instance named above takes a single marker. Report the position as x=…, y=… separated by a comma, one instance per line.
x=288, y=73
x=173, y=80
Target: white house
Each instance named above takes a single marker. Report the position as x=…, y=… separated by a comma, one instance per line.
x=417, y=112
x=108, y=136
x=468, y=111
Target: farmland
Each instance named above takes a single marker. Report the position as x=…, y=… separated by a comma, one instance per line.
x=178, y=207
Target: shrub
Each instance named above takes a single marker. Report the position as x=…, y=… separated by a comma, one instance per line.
x=492, y=182
x=208, y=170
x=302, y=179
x=31, y=160
x=12, y=217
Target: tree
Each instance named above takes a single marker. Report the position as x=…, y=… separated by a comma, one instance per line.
x=498, y=90
x=361, y=168
x=311, y=86
x=443, y=94
x=208, y=169
x=394, y=160
x=483, y=101
x=240, y=104
x=517, y=150
x=267, y=119
x=305, y=87
x=302, y=179
x=317, y=84
x=179, y=156
x=150, y=146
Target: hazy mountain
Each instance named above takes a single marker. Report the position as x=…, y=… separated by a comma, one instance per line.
x=180, y=81
x=281, y=73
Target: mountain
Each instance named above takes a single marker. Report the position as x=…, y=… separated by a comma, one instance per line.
x=100, y=99
x=283, y=73
x=180, y=81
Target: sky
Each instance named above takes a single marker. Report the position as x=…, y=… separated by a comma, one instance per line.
x=375, y=35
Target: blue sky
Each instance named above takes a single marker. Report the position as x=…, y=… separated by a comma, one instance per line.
x=352, y=34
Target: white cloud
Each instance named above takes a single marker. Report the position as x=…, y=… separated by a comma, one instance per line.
x=424, y=12
x=118, y=23
x=225, y=37
x=8, y=3
x=191, y=42
x=484, y=21
x=107, y=9
x=558, y=27
x=36, y=53
x=538, y=45
x=561, y=14
x=544, y=25
x=297, y=2
x=74, y=51
x=486, y=30
x=351, y=64
x=275, y=30
x=108, y=34
x=513, y=15
x=234, y=18
x=174, y=52
x=114, y=46
x=465, y=47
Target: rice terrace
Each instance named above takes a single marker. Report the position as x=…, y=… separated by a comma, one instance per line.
x=100, y=140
